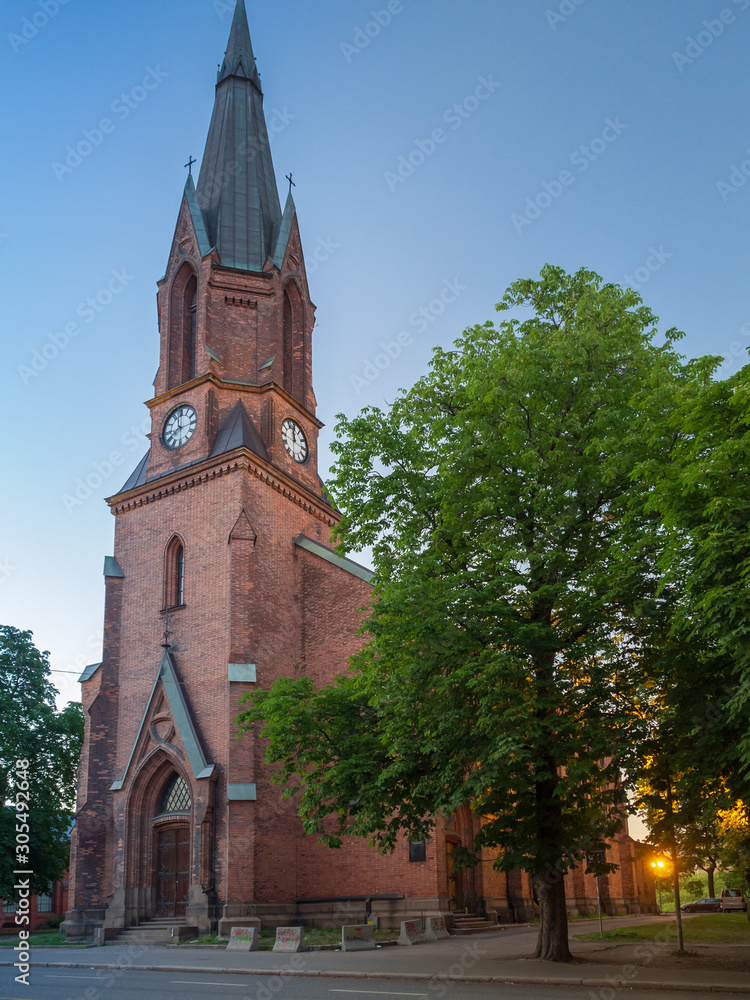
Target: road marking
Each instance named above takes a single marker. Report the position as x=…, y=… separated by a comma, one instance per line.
x=380, y=993
x=50, y=975
x=194, y=982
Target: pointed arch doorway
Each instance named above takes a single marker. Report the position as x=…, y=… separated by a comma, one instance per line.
x=455, y=875
x=172, y=837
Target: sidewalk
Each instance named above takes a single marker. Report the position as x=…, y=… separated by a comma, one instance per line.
x=480, y=958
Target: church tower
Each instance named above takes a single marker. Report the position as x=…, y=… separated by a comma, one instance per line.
x=223, y=579
x=223, y=576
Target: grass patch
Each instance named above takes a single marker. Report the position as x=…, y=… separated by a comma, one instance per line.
x=40, y=940
x=710, y=928
x=313, y=936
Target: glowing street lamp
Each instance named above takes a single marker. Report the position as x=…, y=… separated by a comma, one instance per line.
x=661, y=867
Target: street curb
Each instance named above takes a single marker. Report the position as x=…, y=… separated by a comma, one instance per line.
x=633, y=984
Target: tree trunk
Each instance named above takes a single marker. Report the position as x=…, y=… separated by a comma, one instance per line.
x=710, y=872
x=552, y=945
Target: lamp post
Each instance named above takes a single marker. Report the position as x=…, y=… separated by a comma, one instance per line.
x=661, y=868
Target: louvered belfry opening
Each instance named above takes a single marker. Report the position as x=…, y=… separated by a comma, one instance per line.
x=183, y=303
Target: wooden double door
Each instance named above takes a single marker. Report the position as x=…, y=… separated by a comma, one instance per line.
x=455, y=876
x=172, y=871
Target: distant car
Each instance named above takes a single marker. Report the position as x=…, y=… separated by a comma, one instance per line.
x=732, y=899
x=709, y=904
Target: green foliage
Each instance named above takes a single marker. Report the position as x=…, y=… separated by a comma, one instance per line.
x=503, y=497
x=701, y=672
x=33, y=730
x=703, y=502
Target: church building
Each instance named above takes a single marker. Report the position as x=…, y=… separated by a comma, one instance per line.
x=224, y=579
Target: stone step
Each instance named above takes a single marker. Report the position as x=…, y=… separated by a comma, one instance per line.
x=458, y=931
x=153, y=933
x=472, y=923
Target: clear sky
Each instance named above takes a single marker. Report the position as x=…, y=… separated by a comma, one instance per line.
x=580, y=132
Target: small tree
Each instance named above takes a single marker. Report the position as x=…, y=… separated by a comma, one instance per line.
x=514, y=586
x=33, y=730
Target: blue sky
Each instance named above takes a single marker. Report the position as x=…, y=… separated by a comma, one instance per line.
x=525, y=132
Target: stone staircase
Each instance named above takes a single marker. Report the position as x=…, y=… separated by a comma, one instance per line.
x=163, y=930
x=470, y=923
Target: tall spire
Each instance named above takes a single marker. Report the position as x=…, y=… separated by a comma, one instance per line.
x=237, y=189
x=239, y=58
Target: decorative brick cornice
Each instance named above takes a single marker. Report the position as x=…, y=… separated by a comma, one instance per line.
x=241, y=460
x=219, y=383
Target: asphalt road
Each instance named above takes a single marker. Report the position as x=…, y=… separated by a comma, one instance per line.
x=79, y=984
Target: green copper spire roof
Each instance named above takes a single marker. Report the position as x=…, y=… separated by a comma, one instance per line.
x=199, y=222
x=237, y=189
x=239, y=59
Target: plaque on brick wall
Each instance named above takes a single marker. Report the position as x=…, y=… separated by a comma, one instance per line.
x=417, y=850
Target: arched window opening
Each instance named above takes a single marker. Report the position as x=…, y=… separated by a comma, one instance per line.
x=288, y=342
x=174, y=576
x=175, y=798
x=294, y=344
x=189, y=315
x=183, y=310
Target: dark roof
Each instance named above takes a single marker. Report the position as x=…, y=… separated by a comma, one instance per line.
x=348, y=565
x=183, y=720
x=237, y=189
x=139, y=476
x=238, y=431
x=112, y=568
x=199, y=223
x=285, y=231
x=325, y=494
x=89, y=672
x=239, y=58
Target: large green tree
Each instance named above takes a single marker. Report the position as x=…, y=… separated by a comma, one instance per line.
x=703, y=502
x=515, y=592
x=49, y=741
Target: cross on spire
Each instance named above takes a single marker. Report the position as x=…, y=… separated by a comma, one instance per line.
x=189, y=165
x=291, y=182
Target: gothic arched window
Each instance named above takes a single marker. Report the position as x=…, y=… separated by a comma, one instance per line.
x=182, y=327
x=175, y=798
x=174, y=575
x=294, y=343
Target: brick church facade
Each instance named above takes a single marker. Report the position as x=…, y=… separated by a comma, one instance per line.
x=223, y=579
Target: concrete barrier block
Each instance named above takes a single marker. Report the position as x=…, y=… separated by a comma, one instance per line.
x=357, y=937
x=412, y=933
x=290, y=939
x=243, y=939
x=436, y=929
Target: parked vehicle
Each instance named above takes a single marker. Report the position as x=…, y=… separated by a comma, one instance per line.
x=732, y=899
x=709, y=904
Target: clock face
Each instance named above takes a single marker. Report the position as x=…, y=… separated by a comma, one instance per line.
x=295, y=441
x=180, y=427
